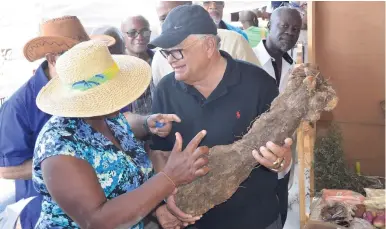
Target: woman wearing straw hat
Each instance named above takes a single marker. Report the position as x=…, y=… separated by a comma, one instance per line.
x=87, y=164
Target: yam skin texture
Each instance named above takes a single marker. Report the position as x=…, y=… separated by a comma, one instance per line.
x=306, y=96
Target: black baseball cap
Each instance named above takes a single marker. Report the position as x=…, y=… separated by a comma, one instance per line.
x=181, y=22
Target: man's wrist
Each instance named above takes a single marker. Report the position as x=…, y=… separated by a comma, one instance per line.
x=146, y=125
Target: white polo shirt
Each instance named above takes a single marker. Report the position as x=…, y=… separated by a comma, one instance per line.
x=266, y=63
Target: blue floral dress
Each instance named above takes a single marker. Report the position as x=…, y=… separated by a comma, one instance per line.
x=118, y=172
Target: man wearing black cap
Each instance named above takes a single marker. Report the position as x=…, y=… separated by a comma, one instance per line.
x=210, y=90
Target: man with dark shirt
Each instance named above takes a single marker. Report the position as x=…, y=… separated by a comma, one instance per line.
x=210, y=90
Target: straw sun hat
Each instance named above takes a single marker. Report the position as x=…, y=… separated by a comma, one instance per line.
x=92, y=82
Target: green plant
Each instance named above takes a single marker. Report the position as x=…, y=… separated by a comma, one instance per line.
x=331, y=170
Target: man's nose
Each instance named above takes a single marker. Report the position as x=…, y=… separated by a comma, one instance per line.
x=291, y=31
x=140, y=37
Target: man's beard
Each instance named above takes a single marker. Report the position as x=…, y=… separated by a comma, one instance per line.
x=285, y=46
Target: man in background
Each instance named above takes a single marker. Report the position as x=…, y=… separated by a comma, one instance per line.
x=216, y=10
x=283, y=33
x=284, y=28
x=231, y=42
x=136, y=32
x=250, y=23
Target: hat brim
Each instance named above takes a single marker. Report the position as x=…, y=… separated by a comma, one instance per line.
x=38, y=47
x=167, y=40
x=129, y=84
x=109, y=40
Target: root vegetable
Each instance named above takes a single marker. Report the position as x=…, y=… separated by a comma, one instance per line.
x=368, y=216
x=306, y=96
x=379, y=221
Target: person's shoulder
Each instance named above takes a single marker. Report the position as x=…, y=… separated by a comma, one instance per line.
x=235, y=45
x=254, y=73
x=58, y=124
x=259, y=47
x=238, y=30
x=167, y=81
x=231, y=41
x=257, y=81
x=261, y=53
x=22, y=97
x=229, y=35
x=57, y=130
x=58, y=137
x=26, y=94
x=225, y=32
x=234, y=28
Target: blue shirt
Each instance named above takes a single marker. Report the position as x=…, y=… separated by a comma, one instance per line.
x=227, y=26
x=118, y=172
x=20, y=123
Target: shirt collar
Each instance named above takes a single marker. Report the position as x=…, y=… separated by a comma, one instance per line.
x=264, y=57
x=223, y=25
x=40, y=78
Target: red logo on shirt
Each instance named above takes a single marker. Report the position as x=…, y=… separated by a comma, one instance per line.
x=238, y=115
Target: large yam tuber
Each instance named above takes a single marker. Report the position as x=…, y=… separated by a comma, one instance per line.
x=305, y=97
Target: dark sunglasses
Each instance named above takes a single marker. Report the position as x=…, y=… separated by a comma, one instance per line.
x=177, y=53
x=135, y=33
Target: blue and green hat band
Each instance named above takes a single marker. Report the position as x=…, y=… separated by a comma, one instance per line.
x=97, y=79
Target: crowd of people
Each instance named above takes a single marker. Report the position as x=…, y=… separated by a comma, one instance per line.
x=112, y=123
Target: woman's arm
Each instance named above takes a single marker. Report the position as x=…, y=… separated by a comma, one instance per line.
x=136, y=123
x=73, y=184
x=83, y=199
